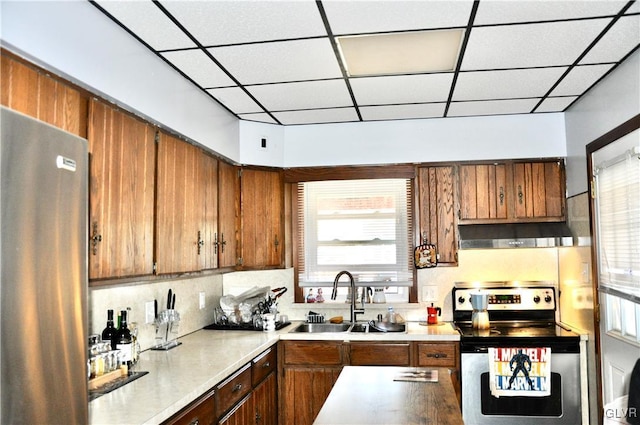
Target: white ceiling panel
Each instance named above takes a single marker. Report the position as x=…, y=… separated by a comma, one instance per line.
x=199, y=67
x=617, y=42
x=396, y=112
x=317, y=116
x=556, y=104
x=235, y=99
x=497, y=12
x=402, y=89
x=353, y=17
x=519, y=46
x=219, y=22
x=304, y=95
x=280, y=61
x=148, y=22
x=515, y=83
x=492, y=107
x=281, y=52
x=579, y=79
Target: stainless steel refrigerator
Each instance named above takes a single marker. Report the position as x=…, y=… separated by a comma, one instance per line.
x=43, y=266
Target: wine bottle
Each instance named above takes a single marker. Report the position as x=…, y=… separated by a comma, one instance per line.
x=109, y=332
x=124, y=341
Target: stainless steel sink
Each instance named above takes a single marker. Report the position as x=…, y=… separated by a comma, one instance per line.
x=366, y=328
x=321, y=327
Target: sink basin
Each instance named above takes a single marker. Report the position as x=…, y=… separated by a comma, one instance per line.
x=365, y=328
x=322, y=327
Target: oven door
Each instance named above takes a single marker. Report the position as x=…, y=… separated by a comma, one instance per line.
x=562, y=406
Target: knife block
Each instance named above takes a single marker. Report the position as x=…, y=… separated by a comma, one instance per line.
x=167, y=325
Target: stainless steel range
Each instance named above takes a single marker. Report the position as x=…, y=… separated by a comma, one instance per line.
x=525, y=367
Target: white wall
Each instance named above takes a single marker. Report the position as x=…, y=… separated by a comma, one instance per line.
x=612, y=102
x=428, y=140
x=77, y=41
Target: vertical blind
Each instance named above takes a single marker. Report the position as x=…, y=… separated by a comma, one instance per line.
x=618, y=223
x=363, y=226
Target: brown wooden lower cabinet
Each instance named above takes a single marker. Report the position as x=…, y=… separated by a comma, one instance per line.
x=309, y=369
x=248, y=396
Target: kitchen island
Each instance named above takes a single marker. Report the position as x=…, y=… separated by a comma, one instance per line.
x=370, y=395
x=181, y=375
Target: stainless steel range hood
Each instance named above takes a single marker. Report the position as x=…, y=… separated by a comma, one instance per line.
x=521, y=235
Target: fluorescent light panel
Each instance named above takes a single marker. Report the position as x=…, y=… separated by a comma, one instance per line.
x=400, y=53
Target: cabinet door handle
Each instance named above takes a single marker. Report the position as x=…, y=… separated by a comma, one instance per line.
x=196, y=421
x=276, y=242
x=236, y=388
x=223, y=243
x=96, y=238
x=266, y=365
x=501, y=195
x=520, y=195
x=215, y=243
x=200, y=242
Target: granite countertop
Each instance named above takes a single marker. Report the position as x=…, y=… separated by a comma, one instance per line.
x=179, y=376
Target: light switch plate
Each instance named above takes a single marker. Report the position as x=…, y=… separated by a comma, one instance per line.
x=430, y=293
x=201, y=298
x=149, y=312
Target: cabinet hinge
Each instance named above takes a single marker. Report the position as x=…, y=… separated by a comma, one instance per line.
x=155, y=267
x=239, y=172
x=596, y=313
x=156, y=138
x=240, y=261
x=593, y=188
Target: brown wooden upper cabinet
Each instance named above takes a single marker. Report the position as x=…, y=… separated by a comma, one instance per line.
x=262, y=207
x=226, y=238
x=34, y=93
x=180, y=223
x=121, y=194
x=511, y=191
x=437, y=200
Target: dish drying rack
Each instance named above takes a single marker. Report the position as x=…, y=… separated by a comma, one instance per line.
x=313, y=317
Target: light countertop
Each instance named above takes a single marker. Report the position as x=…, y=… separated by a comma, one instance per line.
x=179, y=376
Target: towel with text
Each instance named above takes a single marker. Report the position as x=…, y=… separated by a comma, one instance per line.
x=520, y=371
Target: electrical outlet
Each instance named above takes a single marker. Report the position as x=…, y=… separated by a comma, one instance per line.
x=149, y=312
x=201, y=300
x=429, y=293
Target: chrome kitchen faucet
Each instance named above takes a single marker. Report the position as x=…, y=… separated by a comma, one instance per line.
x=352, y=283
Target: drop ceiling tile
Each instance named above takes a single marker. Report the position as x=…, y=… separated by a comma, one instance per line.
x=395, y=112
x=504, y=84
x=515, y=46
x=280, y=61
x=258, y=117
x=617, y=42
x=492, y=107
x=317, y=116
x=352, y=17
x=579, y=79
x=216, y=23
x=235, y=99
x=149, y=23
x=199, y=67
x=556, y=104
x=402, y=89
x=497, y=12
x=302, y=95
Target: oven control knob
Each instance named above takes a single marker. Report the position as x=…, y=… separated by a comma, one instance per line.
x=461, y=300
x=536, y=299
x=547, y=298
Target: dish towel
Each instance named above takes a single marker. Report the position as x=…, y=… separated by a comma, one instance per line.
x=520, y=371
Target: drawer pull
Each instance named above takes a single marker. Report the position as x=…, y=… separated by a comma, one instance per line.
x=266, y=365
x=237, y=388
x=437, y=355
x=194, y=422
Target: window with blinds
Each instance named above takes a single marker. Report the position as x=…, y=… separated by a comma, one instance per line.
x=362, y=226
x=618, y=224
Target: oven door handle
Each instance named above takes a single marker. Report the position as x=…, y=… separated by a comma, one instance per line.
x=479, y=349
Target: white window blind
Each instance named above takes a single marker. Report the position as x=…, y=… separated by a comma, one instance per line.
x=363, y=226
x=618, y=224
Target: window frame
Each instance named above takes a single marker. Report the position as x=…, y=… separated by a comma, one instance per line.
x=293, y=176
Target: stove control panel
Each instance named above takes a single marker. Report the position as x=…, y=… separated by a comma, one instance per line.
x=538, y=298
